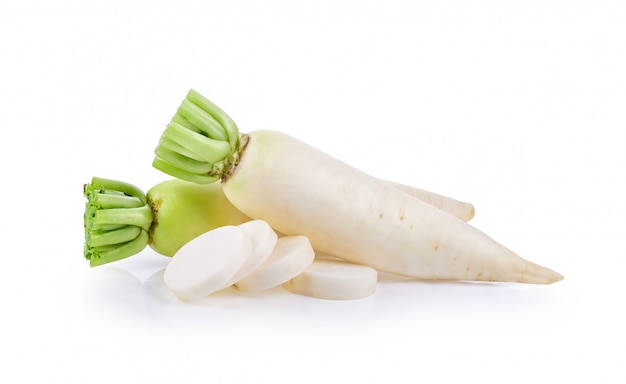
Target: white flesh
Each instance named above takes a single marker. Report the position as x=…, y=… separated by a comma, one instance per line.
x=346, y=213
x=263, y=240
x=289, y=258
x=334, y=280
x=206, y=263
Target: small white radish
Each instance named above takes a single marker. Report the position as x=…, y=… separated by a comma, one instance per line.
x=464, y=211
x=334, y=280
x=291, y=256
x=204, y=264
x=263, y=240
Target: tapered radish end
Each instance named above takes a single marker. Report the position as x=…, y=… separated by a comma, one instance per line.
x=471, y=211
x=537, y=274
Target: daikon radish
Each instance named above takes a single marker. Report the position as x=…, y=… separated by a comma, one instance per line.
x=291, y=255
x=204, y=264
x=300, y=190
x=334, y=280
x=464, y=211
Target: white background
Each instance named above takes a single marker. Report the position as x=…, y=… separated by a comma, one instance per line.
x=515, y=106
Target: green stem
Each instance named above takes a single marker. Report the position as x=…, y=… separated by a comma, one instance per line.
x=116, y=185
x=211, y=150
x=203, y=121
x=218, y=114
x=121, y=251
x=167, y=143
x=110, y=200
x=117, y=236
x=182, y=173
x=139, y=217
x=200, y=144
x=117, y=220
x=180, y=161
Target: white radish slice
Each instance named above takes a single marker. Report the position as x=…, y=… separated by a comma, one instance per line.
x=334, y=280
x=206, y=263
x=263, y=240
x=291, y=255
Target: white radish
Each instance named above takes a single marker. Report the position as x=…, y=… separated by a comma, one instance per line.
x=263, y=240
x=291, y=256
x=204, y=264
x=464, y=211
x=334, y=280
x=344, y=212
x=349, y=214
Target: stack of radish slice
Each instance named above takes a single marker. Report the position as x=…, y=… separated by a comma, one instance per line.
x=252, y=257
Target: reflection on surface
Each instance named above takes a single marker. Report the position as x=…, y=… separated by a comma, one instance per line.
x=136, y=290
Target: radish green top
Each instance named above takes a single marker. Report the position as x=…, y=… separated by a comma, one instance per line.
x=117, y=220
x=201, y=143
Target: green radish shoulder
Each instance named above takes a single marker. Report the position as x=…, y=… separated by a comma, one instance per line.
x=120, y=220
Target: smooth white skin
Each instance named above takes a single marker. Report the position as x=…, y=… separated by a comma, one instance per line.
x=346, y=213
x=334, y=280
x=206, y=263
x=291, y=256
x=464, y=211
x=263, y=240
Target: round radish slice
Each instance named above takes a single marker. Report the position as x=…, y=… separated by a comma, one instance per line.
x=291, y=255
x=334, y=280
x=206, y=263
x=263, y=240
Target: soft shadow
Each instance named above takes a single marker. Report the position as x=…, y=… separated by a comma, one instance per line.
x=120, y=292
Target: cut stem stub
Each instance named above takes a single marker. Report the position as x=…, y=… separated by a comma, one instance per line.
x=201, y=143
x=117, y=220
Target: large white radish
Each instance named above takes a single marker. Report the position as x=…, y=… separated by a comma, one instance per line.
x=334, y=280
x=202, y=141
x=349, y=214
x=291, y=255
x=344, y=212
x=204, y=264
